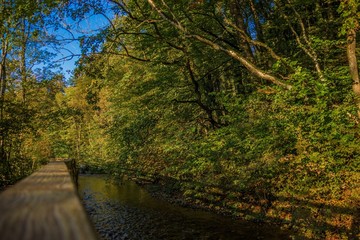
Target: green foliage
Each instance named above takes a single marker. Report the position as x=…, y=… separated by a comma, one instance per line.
x=349, y=10
x=185, y=110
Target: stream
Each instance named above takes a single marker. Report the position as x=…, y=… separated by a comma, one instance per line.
x=127, y=211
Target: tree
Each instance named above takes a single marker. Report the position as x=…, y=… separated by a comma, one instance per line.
x=350, y=15
x=236, y=100
x=22, y=24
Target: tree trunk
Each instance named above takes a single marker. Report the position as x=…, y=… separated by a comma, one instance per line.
x=3, y=77
x=4, y=46
x=239, y=21
x=22, y=56
x=353, y=66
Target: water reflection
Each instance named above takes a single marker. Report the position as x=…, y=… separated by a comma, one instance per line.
x=127, y=211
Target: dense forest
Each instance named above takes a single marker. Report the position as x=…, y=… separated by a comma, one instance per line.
x=249, y=107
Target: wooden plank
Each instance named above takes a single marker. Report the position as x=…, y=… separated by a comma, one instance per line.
x=44, y=205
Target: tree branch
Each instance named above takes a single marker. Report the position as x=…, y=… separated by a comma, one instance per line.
x=307, y=48
x=236, y=55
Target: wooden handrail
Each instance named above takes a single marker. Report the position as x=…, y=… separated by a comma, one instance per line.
x=44, y=205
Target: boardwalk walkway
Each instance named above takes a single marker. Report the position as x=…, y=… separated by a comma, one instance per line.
x=45, y=205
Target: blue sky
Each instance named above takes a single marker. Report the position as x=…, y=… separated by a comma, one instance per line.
x=87, y=26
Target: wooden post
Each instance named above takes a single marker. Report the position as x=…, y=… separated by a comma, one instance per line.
x=44, y=205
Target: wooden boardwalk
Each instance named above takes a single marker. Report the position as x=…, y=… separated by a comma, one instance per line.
x=44, y=205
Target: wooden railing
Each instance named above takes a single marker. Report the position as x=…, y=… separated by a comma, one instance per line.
x=44, y=205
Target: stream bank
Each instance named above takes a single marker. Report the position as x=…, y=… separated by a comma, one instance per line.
x=128, y=211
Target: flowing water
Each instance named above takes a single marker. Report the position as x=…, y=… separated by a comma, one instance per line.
x=127, y=211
